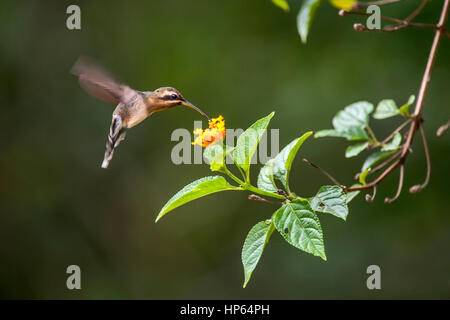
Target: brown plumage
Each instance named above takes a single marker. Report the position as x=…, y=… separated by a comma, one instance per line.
x=133, y=106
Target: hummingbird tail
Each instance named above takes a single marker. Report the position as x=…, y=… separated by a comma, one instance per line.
x=116, y=134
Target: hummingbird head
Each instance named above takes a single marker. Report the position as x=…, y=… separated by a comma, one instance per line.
x=168, y=97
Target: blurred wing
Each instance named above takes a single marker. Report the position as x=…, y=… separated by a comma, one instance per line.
x=100, y=83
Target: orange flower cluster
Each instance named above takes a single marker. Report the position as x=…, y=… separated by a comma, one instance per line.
x=215, y=132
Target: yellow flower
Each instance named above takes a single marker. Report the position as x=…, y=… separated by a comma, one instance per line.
x=214, y=133
x=343, y=4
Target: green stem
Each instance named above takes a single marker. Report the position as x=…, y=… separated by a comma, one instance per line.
x=249, y=187
x=232, y=176
x=240, y=170
x=291, y=196
x=372, y=136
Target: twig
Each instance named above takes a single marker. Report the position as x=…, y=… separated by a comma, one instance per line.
x=408, y=19
x=324, y=172
x=442, y=129
x=370, y=198
x=380, y=166
x=399, y=188
x=419, y=187
x=417, y=116
x=372, y=135
x=400, y=127
x=283, y=193
x=258, y=198
x=426, y=77
x=403, y=23
x=383, y=164
x=416, y=12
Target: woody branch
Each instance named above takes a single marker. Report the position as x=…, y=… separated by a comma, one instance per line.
x=416, y=118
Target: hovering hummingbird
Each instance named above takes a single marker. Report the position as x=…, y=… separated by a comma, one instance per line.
x=133, y=106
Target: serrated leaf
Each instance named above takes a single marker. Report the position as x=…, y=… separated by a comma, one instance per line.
x=280, y=166
x=215, y=155
x=195, y=190
x=375, y=158
x=300, y=227
x=305, y=17
x=283, y=4
x=327, y=133
x=343, y=4
x=404, y=110
x=330, y=199
x=248, y=142
x=351, y=134
x=353, y=194
x=354, y=115
x=355, y=133
x=386, y=109
x=266, y=180
x=283, y=161
x=394, y=144
x=350, y=123
x=355, y=149
x=254, y=245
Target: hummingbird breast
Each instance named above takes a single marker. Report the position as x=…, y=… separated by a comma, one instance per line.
x=133, y=112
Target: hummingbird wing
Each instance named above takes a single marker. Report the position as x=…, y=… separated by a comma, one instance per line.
x=99, y=83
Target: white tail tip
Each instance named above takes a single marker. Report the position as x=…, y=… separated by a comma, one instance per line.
x=105, y=164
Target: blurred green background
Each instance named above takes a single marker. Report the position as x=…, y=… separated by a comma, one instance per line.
x=241, y=59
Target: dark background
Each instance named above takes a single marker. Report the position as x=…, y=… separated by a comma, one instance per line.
x=241, y=59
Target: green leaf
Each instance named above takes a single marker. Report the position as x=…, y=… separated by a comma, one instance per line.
x=351, y=134
x=363, y=175
x=266, y=180
x=343, y=4
x=375, y=158
x=195, y=190
x=394, y=144
x=215, y=155
x=330, y=199
x=280, y=166
x=282, y=163
x=254, y=245
x=386, y=109
x=327, y=133
x=283, y=4
x=351, y=122
x=248, y=142
x=404, y=109
x=305, y=17
x=355, y=133
x=300, y=227
x=354, y=115
x=353, y=194
x=355, y=149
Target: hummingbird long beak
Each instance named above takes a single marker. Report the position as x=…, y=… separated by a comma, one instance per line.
x=190, y=105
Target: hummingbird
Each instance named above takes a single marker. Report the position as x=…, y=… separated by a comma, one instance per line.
x=133, y=106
